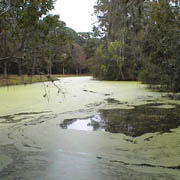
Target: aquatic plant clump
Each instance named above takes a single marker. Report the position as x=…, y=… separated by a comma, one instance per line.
x=131, y=122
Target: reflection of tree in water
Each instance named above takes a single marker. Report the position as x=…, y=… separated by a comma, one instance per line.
x=140, y=120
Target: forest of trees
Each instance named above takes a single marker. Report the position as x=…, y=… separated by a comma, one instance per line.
x=32, y=41
x=140, y=40
x=132, y=40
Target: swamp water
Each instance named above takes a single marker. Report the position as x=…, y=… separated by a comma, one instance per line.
x=90, y=130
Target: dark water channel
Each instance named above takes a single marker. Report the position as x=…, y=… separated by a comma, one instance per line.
x=134, y=122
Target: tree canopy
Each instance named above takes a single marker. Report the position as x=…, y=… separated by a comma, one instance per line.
x=32, y=41
x=132, y=40
x=140, y=40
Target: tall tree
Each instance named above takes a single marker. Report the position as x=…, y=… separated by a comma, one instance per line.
x=161, y=46
x=121, y=22
x=19, y=20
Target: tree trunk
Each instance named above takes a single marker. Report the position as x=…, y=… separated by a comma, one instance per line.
x=5, y=70
x=77, y=70
x=33, y=67
x=122, y=75
x=63, y=69
x=5, y=54
x=19, y=68
x=49, y=69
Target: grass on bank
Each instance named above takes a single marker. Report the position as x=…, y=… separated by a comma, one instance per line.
x=25, y=79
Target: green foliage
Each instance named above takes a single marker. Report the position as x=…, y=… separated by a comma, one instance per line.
x=139, y=37
x=120, y=22
x=34, y=42
x=161, y=47
x=152, y=74
x=134, y=38
x=108, y=61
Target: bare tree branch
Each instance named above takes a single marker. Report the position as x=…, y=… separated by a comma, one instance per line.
x=10, y=57
x=6, y=9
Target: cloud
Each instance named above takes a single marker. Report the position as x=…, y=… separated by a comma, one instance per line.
x=76, y=13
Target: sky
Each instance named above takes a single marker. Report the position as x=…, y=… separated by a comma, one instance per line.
x=77, y=14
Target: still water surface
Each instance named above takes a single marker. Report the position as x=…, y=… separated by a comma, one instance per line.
x=90, y=130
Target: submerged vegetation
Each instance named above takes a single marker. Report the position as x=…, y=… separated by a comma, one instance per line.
x=132, y=40
x=133, y=130
x=142, y=119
